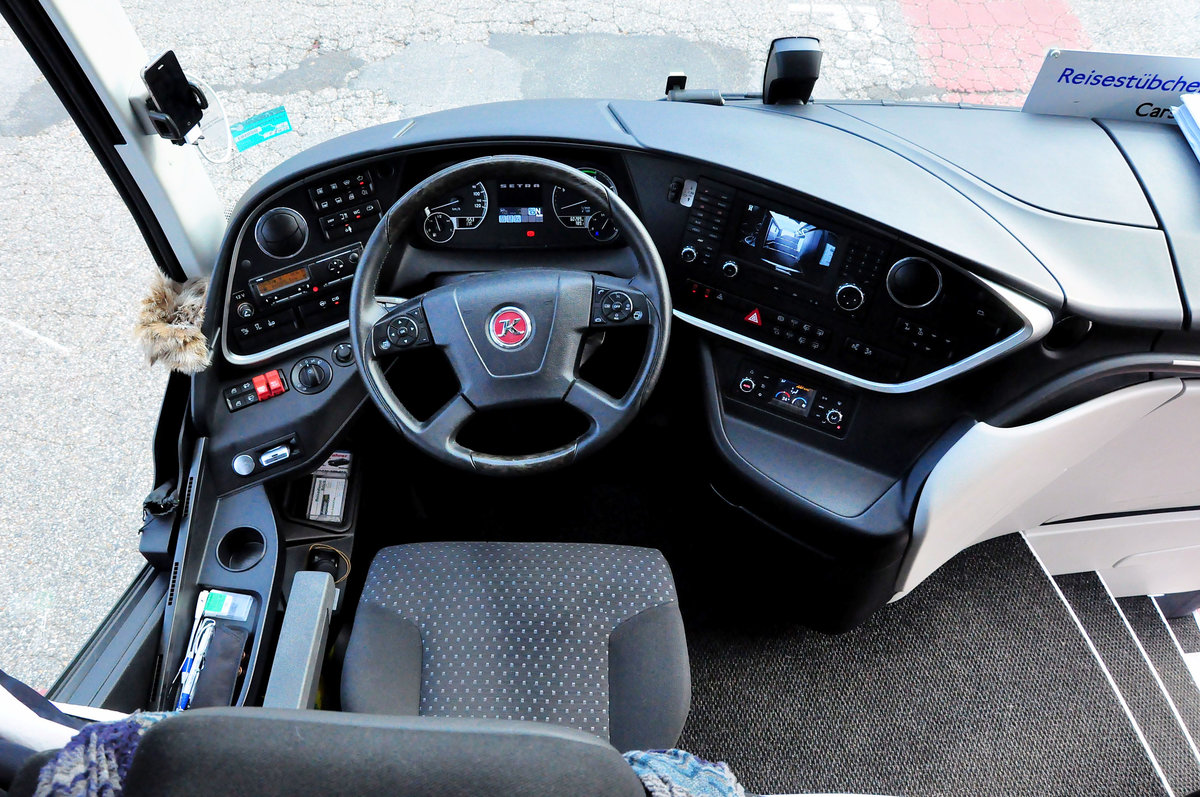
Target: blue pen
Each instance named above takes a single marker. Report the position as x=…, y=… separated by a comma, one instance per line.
x=194, y=663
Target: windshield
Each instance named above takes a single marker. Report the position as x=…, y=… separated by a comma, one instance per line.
x=339, y=66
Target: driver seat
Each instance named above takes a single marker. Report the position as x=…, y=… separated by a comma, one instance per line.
x=586, y=636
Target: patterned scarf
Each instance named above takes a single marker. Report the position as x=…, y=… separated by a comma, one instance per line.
x=95, y=763
x=675, y=773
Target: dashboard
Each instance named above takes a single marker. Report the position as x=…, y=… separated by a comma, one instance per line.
x=784, y=276
x=858, y=284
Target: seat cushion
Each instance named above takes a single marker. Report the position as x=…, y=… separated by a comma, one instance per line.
x=583, y=635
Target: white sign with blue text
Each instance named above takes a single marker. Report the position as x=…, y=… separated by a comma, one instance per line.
x=1139, y=88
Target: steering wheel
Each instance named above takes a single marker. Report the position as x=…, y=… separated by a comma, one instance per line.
x=514, y=336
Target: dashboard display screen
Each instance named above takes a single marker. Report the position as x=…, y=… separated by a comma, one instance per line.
x=791, y=247
x=795, y=398
x=519, y=203
x=281, y=282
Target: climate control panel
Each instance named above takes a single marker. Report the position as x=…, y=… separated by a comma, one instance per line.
x=801, y=400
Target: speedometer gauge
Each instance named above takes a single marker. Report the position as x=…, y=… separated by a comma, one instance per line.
x=572, y=208
x=467, y=207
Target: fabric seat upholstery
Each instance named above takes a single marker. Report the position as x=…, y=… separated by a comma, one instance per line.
x=583, y=635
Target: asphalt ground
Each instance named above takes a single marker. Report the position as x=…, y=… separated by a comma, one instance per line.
x=78, y=403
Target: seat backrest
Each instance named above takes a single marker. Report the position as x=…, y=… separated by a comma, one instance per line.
x=276, y=752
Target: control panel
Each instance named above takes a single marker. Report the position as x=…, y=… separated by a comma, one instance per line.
x=255, y=390
x=270, y=307
x=290, y=275
x=862, y=302
x=804, y=401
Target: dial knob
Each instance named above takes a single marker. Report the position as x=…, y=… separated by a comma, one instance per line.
x=687, y=254
x=914, y=282
x=747, y=385
x=281, y=233
x=834, y=416
x=849, y=297
x=311, y=375
x=343, y=354
x=729, y=269
x=245, y=310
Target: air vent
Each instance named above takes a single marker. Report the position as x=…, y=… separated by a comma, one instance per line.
x=187, y=496
x=174, y=584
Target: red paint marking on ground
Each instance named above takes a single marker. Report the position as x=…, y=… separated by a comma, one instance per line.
x=989, y=50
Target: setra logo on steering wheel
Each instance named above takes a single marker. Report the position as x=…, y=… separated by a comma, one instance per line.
x=510, y=328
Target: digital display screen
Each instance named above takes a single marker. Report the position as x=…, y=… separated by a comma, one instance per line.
x=791, y=247
x=281, y=281
x=519, y=203
x=795, y=398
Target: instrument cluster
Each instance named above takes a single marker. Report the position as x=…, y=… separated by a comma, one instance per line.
x=511, y=213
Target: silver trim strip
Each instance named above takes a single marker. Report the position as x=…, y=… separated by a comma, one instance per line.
x=1036, y=321
x=266, y=354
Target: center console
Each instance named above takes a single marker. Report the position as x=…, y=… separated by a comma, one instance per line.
x=839, y=298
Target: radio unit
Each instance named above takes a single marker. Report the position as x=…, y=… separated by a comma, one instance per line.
x=287, y=303
x=858, y=302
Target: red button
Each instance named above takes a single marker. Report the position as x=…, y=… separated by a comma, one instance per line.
x=754, y=317
x=274, y=382
x=261, y=387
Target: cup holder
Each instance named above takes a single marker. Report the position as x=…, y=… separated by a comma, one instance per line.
x=241, y=549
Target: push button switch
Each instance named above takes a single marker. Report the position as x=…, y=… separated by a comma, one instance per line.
x=254, y=390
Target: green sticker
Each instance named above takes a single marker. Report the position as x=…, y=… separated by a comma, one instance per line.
x=215, y=602
x=260, y=127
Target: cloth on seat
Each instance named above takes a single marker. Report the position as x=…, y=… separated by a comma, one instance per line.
x=97, y=760
x=676, y=773
x=583, y=635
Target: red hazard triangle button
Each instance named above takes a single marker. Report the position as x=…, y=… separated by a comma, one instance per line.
x=754, y=317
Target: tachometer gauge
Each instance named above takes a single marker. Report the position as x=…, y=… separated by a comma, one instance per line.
x=439, y=227
x=570, y=206
x=467, y=207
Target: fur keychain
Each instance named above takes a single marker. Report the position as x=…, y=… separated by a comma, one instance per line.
x=169, y=325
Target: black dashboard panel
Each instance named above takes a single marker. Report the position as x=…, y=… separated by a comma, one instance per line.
x=861, y=302
x=289, y=289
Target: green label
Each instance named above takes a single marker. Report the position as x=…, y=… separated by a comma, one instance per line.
x=215, y=602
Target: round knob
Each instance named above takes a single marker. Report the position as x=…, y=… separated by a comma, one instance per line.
x=312, y=375
x=687, y=254
x=729, y=269
x=849, y=297
x=343, y=354
x=834, y=417
x=281, y=233
x=914, y=282
x=747, y=385
x=243, y=464
x=245, y=310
